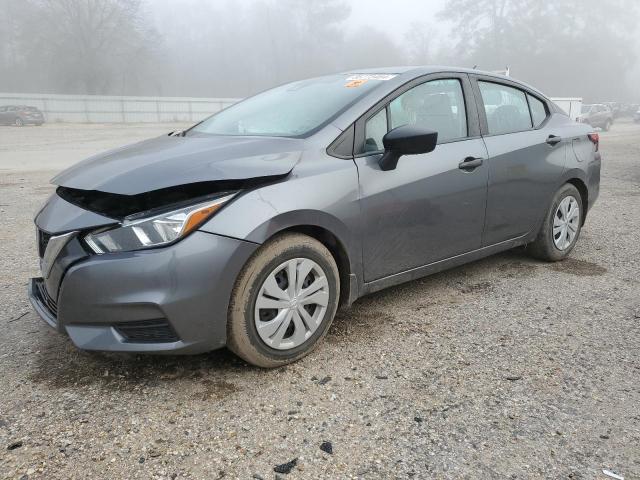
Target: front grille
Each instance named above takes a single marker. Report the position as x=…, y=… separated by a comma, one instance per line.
x=147, y=331
x=43, y=241
x=44, y=297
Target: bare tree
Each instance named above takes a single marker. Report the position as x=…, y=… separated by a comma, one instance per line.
x=420, y=40
x=572, y=47
x=94, y=46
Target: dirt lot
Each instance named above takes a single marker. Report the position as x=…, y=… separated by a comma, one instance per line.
x=505, y=368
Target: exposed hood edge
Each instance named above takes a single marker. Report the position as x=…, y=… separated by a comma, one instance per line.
x=118, y=206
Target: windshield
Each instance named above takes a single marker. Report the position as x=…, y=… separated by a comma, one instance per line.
x=292, y=110
x=585, y=109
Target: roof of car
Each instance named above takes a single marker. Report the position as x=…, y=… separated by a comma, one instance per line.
x=418, y=70
x=422, y=70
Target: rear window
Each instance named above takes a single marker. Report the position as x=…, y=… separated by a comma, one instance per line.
x=538, y=111
x=506, y=108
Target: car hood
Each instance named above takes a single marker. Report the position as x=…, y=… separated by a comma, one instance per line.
x=175, y=160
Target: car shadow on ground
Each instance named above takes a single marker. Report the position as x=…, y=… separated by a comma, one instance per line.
x=59, y=364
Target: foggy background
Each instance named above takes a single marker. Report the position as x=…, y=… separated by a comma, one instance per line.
x=220, y=48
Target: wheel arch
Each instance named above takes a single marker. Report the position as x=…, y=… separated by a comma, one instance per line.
x=584, y=195
x=338, y=249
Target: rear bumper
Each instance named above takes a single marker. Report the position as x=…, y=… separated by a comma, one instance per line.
x=168, y=300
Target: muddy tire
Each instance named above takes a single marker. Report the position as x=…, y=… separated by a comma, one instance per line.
x=561, y=227
x=283, y=301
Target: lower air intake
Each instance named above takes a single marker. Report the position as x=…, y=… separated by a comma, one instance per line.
x=147, y=331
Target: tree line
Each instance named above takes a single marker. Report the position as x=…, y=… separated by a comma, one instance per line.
x=232, y=49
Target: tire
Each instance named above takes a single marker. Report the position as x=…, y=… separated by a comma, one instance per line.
x=271, y=262
x=547, y=246
x=18, y=122
x=607, y=125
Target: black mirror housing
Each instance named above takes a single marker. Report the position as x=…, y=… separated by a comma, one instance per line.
x=406, y=140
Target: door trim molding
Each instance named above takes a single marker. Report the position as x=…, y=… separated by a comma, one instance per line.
x=440, y=265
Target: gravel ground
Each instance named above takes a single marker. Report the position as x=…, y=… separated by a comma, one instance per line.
x=504, y=368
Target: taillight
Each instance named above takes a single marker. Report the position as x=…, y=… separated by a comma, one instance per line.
x=595, y=139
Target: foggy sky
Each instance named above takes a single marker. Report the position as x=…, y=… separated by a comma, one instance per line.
x=225, y=48
x=394, y=17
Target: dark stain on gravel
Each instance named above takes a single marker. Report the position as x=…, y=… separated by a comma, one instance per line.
x=218, y=389
x=518, y=269
x=580, y=268
x=122, y=372
x=480, y=287
x=350, y=324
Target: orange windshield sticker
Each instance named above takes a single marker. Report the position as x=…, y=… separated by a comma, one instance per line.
x=355, y=83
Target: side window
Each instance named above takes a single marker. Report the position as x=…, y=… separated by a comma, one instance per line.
x=506, y=108
x=374, y=130
x=538, y=111
x=437, y=105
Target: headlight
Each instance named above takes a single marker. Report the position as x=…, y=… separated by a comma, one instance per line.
x=139, y=233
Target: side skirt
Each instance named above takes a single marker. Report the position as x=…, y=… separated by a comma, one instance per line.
x=442, y=265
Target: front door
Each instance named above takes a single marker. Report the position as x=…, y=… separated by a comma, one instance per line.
x=430, y=207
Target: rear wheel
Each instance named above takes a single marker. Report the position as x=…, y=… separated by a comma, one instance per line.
x=18, y=122
x=283, y=302
x=561, y=227
x=607, y=125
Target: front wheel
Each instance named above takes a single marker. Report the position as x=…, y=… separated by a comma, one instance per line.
x=607, y=125
x=18, y=122
x=283, y=302
x=561, y=227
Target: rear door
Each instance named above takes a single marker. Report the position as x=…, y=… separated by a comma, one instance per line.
x=526, y=151
x=427, y=208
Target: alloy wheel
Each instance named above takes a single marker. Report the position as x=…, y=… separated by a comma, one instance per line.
x=291, y=303
x=566, y=223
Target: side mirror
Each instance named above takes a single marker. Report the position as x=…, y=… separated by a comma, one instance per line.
x=406, y=140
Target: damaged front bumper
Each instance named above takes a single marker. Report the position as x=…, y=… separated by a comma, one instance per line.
x=164, y=300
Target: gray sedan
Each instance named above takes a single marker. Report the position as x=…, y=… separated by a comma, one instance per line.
x=250, y=229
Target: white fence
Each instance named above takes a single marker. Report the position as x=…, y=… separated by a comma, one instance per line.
x=109, y=109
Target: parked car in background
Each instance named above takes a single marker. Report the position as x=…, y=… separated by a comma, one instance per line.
x=628, y=109
x=250, y=228
x=636, y=116
x=596, y=115
x=615, y=107
x=20, y=115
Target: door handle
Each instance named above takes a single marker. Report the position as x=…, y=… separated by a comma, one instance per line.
x=470, y=163
x=553, y=140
